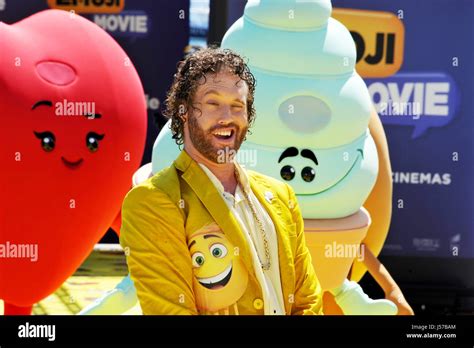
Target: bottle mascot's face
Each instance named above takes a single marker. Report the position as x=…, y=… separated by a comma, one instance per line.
x=73, y=116
x=220, y=277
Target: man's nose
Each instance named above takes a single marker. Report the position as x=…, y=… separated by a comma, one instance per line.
x=225, y=116
x=56, y=73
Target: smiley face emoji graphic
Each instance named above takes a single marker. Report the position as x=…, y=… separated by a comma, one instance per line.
x=220, y=277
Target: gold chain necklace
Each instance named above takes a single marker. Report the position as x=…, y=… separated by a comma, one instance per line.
x=266, y=265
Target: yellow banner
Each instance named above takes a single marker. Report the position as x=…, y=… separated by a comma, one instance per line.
x=379, y=38
x=88, y=6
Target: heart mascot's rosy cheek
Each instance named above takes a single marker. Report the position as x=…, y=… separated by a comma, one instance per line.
x=73, y=128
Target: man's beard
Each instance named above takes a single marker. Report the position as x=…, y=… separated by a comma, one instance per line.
x=202, y=141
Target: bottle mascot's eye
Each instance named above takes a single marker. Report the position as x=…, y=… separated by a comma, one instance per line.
x=287, y=173
x=308, y=174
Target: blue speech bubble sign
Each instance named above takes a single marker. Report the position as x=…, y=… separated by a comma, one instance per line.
x=419, y=100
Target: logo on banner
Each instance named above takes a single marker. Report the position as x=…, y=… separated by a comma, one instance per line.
x=426, y=244
x=128, y=23
x=421, y=178
x=379, y=38
x=417, y=100
x=88, y=6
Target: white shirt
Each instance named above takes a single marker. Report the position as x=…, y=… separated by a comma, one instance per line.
x=269, y=280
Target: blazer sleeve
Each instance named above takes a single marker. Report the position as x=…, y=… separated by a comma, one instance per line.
x=155, y=245
x=308, y=293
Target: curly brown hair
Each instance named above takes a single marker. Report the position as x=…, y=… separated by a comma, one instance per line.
x=189, y=76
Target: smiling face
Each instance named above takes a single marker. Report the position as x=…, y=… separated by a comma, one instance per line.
x=218, y=120
x=48, y=139
x=220, y=278
x=328, y=182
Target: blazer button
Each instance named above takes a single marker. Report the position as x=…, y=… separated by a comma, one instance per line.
x=258, y=303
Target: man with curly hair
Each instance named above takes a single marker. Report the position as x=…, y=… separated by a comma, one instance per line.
x=205, y=235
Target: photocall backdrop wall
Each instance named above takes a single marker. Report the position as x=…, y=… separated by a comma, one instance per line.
x=416, y=59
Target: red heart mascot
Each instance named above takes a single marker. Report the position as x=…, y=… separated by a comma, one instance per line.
x=73, y=128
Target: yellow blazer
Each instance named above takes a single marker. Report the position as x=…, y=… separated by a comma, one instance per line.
x=160, y=216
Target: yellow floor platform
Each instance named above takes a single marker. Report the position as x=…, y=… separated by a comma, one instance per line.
x=101, y=271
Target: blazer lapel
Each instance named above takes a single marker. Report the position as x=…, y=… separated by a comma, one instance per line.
x=199, y=182
x=273, y=208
